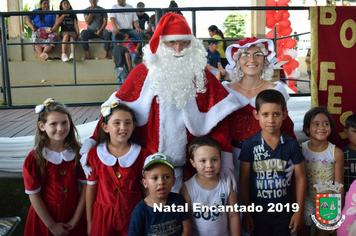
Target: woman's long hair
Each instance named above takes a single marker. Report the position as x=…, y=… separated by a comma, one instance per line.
x=42, y=139
x=40, y=9
x=214, y=28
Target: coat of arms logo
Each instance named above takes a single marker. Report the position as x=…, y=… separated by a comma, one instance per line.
x=328, y=206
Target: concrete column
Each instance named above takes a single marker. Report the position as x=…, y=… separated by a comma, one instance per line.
x=258, y=20
x=14, y=23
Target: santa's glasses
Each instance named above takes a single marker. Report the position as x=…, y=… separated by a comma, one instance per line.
x=175, y=43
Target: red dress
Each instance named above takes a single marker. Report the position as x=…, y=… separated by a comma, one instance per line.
x=114, y=204
x=59, y=192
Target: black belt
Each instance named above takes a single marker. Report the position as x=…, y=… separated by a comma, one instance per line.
x=236, y=143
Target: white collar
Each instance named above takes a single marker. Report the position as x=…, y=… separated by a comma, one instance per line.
x=124, y=161
x=245, y=101
x=57, y=157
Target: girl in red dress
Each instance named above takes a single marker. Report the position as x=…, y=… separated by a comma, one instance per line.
x=51, y=172
x=114, y=187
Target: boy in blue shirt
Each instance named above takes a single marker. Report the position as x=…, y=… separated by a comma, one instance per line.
x=149, y=216
x=214, y=60
x=263, y=180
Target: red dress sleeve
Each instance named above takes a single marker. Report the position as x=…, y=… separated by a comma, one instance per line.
x=32, y=179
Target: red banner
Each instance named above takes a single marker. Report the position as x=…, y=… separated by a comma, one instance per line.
x=333, y=57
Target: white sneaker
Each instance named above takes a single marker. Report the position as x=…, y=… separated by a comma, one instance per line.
x=71, y=56
x=64, y=57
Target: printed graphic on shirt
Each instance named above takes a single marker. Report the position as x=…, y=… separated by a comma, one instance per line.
x=270, y=178
x=165, y=228
x=208, y=214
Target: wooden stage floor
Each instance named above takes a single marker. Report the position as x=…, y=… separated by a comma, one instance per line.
x=22, y=122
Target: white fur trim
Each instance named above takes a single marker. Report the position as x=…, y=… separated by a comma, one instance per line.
x=125, y=161
x=244, y=101
x=142, y=105
x=87, y=145
x=226, y=160
x=176, y=37
x=199, y=123
x=178, y=173
x=172, y=134
x=279, y=87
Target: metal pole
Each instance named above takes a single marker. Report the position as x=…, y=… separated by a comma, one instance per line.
x=74, y=65
x=5, y=63
x=2, y=64
x=194, y=27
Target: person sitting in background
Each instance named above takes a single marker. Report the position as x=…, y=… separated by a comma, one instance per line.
x=308, y=63
x=217, y=34
x=125, y=21
x=121, y=58
x=214, y=63
x=132, y=49
x=151, y=27
x=142, y=16
x=96, y=28
x=69, y=29
x=47, y=22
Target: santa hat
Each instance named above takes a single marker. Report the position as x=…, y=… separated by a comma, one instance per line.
x=170, y=27
x=246, y=43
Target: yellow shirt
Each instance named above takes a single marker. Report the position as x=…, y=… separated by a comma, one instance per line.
x=307, y=63
x=220, y=46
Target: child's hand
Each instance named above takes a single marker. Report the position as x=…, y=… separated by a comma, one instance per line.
x=73, y=223
x=247, y=223
x=59, y=229
x=88, y=227
x=296, y=221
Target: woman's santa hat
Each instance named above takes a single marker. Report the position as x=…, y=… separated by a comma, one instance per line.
x=170, y=27
x=246, y=43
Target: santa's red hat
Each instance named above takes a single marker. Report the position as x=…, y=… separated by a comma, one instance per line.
x=170, y=27
x=246, y=43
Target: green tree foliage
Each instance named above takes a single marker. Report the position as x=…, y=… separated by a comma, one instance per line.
x=235, y=26
x=27, y=30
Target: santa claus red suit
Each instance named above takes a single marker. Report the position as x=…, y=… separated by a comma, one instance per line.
x=176, y=99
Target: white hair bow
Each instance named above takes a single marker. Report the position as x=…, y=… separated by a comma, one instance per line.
x=106, y=109
x=40, y=107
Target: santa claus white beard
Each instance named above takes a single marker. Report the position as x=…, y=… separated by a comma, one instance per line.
x=177, y=76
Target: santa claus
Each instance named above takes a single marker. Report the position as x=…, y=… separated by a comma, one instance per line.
x=176, y=98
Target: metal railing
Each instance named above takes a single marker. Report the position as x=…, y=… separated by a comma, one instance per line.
x=159, y=12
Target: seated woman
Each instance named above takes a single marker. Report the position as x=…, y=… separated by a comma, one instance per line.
x=47, y=22
x=69, y=29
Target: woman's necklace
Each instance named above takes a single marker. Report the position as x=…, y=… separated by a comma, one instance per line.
x=259, y=86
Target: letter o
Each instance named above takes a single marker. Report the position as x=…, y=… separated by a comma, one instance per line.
x=348, y=24
x=258, y=208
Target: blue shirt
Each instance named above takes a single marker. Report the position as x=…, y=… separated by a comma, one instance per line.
x=146, y=222
x=268, y=181
x=48, y=21
x=213, y=58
